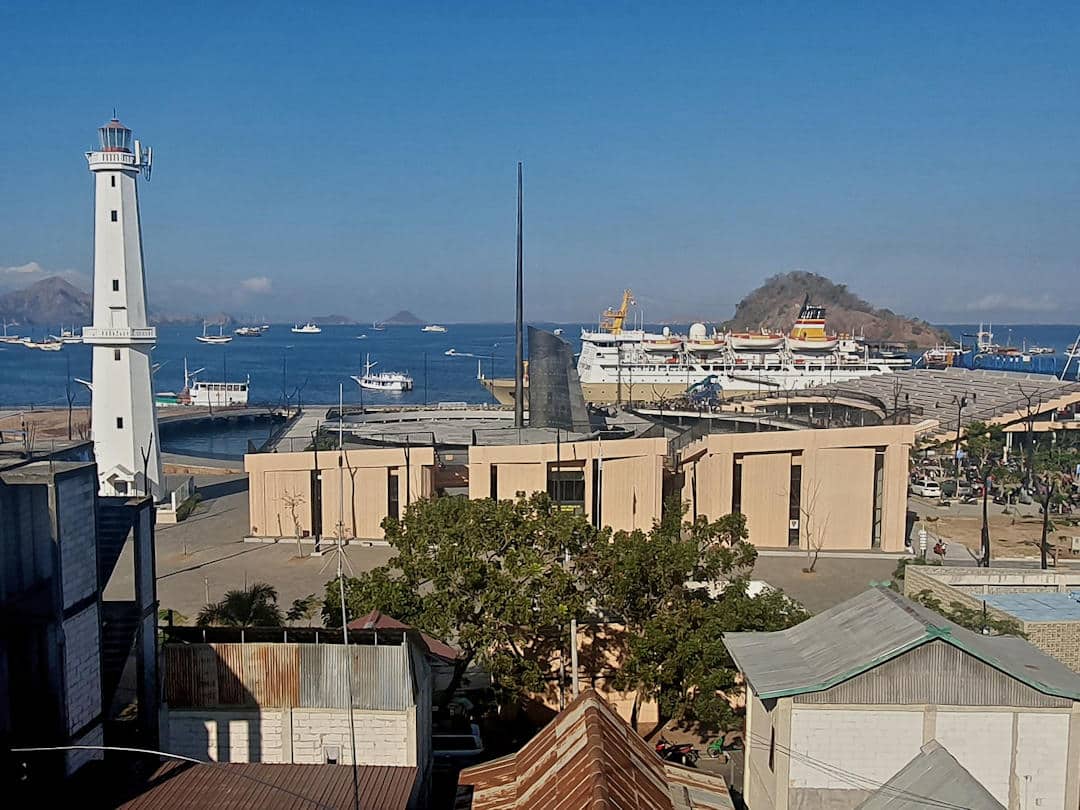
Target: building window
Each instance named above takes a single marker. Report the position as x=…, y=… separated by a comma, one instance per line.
x=113, y=178
x=392, y=503
x=116, y=285
x=115, y=354
x=736, y=485
x=879, y=497
x=112, y=214
x=567, y=488
x=493, y=485
x=119, y=423
x=794, y=505
x=772, y=749
x=331, y=754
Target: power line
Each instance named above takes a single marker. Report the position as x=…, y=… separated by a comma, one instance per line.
x=167, y=755
x=854, y=779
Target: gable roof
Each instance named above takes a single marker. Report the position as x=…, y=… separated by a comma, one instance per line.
x=377, y=620
x=933, y=774
x=869, y=629
x=588, y=758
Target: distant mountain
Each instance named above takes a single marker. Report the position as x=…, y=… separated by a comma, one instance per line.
x=403, y=318
x=49, y=302
x=776, y=304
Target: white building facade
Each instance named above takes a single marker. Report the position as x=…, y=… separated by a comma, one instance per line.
x=123, y=420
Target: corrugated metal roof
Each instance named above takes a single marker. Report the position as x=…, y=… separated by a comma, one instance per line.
x=300, y=675
x=871, y=628
x=241, y=786
x=932, y=779
x=588, y=757
x=1036, y=607
x=377, y=620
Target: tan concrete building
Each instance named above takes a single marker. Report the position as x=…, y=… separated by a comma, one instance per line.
x=844, y=488
x=301, y=493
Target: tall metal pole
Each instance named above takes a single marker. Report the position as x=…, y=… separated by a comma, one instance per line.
x=340, y=551
x=519, y=355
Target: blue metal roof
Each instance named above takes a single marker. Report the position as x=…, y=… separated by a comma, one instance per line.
x=1036, y=607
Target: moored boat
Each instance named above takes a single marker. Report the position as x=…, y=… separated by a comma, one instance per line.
x=393, y=381
x=308, y=328
x=217, y=339
x=433, y=327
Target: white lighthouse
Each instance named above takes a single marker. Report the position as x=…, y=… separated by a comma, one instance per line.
x=123, y=421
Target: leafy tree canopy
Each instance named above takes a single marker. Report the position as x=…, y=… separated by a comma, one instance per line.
x=254, y=606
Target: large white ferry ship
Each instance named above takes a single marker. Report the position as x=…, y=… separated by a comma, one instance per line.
x=633, y=365
x=620, y=365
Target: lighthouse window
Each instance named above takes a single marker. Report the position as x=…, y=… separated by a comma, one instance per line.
x=113, y=214
x=113, y=178
x=116, y=285
x=119, y=423
x=115, y=354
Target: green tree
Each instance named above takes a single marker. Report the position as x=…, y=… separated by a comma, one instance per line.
x=305, y=608
x=489, y=577
x=254, y=606
x=985, y=445
x=1053, y=477
x=678, y=589
x=976, y=620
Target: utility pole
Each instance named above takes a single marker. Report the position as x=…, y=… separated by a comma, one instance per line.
x=519, y=349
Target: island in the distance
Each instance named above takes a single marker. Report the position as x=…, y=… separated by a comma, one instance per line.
x=402, y=318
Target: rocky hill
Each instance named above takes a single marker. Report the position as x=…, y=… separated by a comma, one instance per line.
x=50, y=302
x=776, y=304
x=403, y=318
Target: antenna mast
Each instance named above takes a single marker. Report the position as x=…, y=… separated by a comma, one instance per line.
x=519, y=354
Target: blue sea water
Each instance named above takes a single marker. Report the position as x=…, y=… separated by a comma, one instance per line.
x=311, y=366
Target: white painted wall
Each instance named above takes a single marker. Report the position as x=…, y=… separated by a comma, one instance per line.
x=872, y=743
x=982, y=743
x=1042, y=751
x=382, y=738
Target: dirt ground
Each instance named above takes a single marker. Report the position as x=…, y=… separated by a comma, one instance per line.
x=48, y=424
x=1011, y=535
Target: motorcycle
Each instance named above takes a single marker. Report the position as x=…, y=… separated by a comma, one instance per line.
x=682, y=753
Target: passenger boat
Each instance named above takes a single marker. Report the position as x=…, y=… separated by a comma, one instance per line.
x=205, y=394
x=394, y=381
x=42, y=345
x=308, y=328
x=67, y=336
x=217, y=339
x=249, y=331
x=433, y=327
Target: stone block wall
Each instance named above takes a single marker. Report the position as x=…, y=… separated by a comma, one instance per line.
x=76, y=759
x=299, y=736
x=82, y=668
x=78, y=537
x=1058, y=639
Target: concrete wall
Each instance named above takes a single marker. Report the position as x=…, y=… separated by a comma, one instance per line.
x=837, y=483
x=78, y=537
x=293, y=735
x=766, y=727
x=1060, y=640
x=276, y=478
x=632, y=475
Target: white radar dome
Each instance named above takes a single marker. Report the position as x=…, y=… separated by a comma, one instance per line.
x=697, y=331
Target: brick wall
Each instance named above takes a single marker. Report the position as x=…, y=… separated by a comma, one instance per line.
x=382, y=738
x=76, y=759
x=78, y=539
x=1058, y=639
x=82, y=668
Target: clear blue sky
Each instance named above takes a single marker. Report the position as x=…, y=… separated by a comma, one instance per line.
x=360, y=158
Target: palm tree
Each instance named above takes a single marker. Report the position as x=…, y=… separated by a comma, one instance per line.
x=254, y=606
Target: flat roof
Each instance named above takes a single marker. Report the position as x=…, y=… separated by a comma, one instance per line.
x=1036, y=607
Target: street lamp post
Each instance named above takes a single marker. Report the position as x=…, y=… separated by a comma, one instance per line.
x=961, y=402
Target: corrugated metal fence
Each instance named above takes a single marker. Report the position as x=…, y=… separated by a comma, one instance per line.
x=278, y=675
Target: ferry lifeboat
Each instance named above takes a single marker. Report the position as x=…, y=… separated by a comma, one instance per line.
x=762, y=341
x=700, y=342
x=665, y=343
x=808, y=334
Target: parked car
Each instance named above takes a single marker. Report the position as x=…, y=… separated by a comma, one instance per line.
x=950, y=490
x=925, y=487
x=457, y=748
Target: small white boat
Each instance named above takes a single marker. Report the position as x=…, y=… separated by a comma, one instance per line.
x=43, y=345
x=308, y=328
x=813, y=344
x=394, y=381
x=249, y=331
x=433, y=327
x=762, y=341
x=67, y=336
x=450, y=352
x=557, y=332
x=377, y=327
x=362, y=337
x=217, y=339
x=9, y=338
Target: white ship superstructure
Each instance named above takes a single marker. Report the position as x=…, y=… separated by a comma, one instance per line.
x=619, y=365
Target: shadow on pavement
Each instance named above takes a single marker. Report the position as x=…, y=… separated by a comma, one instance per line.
x=223, y=489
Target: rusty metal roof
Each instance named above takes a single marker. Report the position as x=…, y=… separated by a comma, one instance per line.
x=377, y=620
x=588, y=758
x=242, y=786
